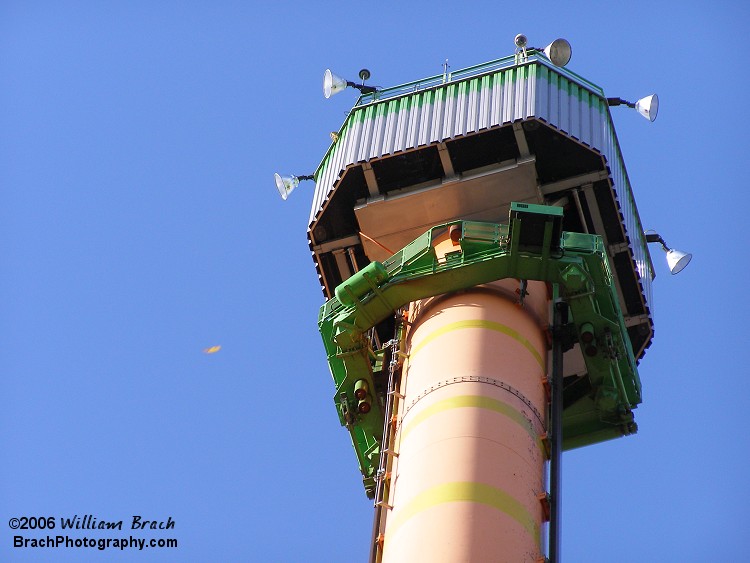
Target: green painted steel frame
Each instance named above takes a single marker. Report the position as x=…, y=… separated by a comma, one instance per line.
x=578, y=267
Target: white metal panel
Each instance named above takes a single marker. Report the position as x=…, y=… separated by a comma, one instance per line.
x=351, y=140
x=366, y=138
x=404, y=125
x=496, y=104
x=472, y=107
x=376, y=142
x=597, y=125
x=386, y=145
x=575, y=113
x=449, y=113
x=437, y=116
x=553, y=98
x=428, y=111
x=584, y=104
x=506, y=107
x=529, y=101
x=459, y=109
x=518, y=97
x=411, y=124
x=541, y=100
x=563, y=121
x=484, y=103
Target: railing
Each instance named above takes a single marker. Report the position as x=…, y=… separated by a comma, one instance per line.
x=472, y=71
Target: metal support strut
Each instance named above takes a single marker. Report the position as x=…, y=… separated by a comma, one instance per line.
x=559, y=323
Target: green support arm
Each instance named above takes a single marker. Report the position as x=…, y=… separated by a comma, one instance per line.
x=601, y=404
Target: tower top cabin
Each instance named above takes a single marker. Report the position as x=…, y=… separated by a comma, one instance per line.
x=463, y=146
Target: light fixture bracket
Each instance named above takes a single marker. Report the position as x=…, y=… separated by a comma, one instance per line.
x=648, y=106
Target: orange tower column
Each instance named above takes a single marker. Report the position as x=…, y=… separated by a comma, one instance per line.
x=470, y=466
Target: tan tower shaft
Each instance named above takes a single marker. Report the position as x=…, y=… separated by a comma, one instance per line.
x=470, y=466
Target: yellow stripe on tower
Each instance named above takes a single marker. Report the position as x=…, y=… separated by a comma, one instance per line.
x=473, y=401
x=463, y=491
x=489, y=325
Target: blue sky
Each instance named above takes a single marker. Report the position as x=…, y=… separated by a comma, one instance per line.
x=140, y=224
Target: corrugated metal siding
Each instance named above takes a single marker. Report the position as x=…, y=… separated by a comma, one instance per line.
x=585, y=116
x=570, y=107
x=426, y=117
x=480, y=102
x=631, y=219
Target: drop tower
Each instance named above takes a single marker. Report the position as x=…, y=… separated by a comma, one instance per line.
x=488, y=297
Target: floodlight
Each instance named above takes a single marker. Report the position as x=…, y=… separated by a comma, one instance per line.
x=286, y=184
x=559, y=52
x=333, y=84
x=648, y=107
x=676, y=259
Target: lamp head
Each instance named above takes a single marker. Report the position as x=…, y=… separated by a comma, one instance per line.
x=648, y=107
x=677, y=260
x=285, y=184
x=559, y=52
x=332, y=84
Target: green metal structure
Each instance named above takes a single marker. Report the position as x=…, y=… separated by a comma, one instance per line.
x=597, y=406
